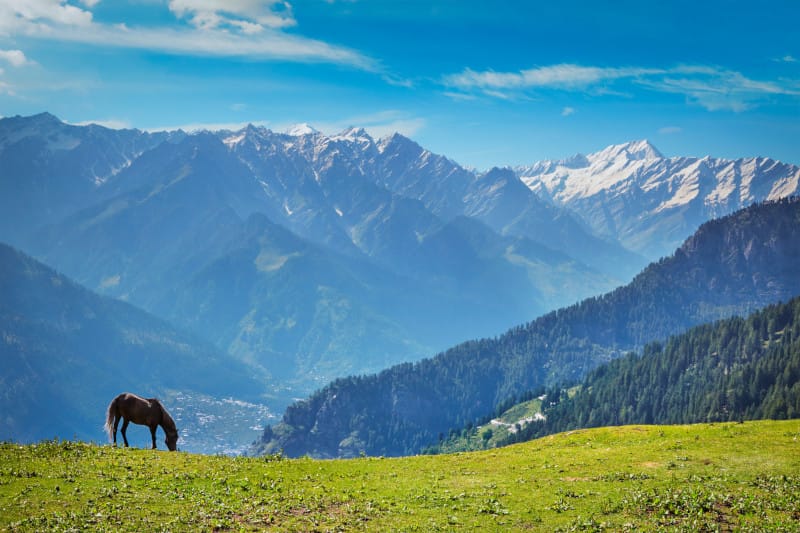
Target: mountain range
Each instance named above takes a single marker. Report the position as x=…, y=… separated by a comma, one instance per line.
x=650, y=203
x=305, y=257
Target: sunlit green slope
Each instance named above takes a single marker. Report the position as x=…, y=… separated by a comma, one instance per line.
x=638, y=478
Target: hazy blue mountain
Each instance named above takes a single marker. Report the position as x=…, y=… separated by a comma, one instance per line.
x=48, y=169
x=367, y=277
x=651, y=203
x=181, y=202
x=732, y=265
x=65, y=352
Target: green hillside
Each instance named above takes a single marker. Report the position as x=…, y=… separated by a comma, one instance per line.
x=639, y=478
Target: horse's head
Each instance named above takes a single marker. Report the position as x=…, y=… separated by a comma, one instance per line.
x=172, y=441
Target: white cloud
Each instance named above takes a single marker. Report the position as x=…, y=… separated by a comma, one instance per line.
x=14, y=57
x=711, y=87
x=567, y=111
x=250, y=16
x=719, y=89
x=39, y=13
x=220, y=29
x=566, y=76
x=670, y=130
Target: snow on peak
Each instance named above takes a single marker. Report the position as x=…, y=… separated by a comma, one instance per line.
x=575, y=161
x=298, y=130
x=631, y=151
x=234, y=138
x=398, y=142
x=353, y=134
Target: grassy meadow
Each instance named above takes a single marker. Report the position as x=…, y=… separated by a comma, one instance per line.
x=708, y=477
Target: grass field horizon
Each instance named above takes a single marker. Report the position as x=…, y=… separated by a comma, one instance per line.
x=705, y=477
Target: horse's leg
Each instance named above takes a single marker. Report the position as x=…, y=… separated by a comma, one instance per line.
x=125, y=422
x=153, y=434
x=116, y=423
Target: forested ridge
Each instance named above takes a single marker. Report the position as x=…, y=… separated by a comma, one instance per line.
x=730, y=266
x=734, y=369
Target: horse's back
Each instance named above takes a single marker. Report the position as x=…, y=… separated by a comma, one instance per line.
x=137, y=409
x=128, y=396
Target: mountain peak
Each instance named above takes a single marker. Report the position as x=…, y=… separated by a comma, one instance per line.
x=298, y=130
x=46, y=118
x=632, y=151
x=353, y=134
x=37, y=121
x=397, y=141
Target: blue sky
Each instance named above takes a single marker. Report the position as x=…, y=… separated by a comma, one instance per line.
x=485, y=83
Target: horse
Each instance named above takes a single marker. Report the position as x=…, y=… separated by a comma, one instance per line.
x=147, y=412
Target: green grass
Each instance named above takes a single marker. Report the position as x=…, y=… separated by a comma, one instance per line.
x=695, y=478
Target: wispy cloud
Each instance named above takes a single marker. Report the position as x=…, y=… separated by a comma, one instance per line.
x=231, y=28
x=15, y=58
x=563, y=76
x=567, y=111
x=711, y=87
x=249, y=16
x=719, y=89
x=15, y=14
x=670, y=130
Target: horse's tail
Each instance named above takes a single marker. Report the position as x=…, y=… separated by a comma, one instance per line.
x=111, y=414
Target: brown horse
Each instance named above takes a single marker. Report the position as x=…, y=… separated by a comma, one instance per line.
x=147, y=412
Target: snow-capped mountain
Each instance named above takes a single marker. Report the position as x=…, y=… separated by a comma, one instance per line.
x=342, y=189
x=651, y=203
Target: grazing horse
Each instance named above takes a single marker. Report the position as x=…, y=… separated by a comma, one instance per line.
x=147, y=412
